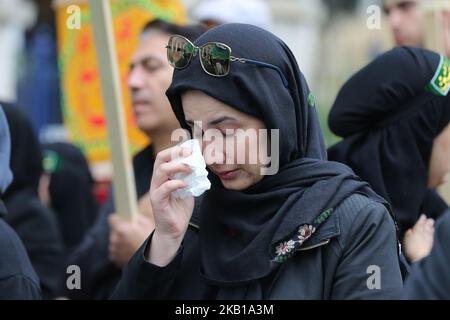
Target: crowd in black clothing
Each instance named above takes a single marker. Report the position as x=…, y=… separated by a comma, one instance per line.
x=308, y=232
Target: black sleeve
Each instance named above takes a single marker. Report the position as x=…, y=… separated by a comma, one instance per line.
x=38, y=229
x=358, y=108
x=19, y=287
x=369, y=264
x=143, y=280
x=18, y=279
x=430, y=278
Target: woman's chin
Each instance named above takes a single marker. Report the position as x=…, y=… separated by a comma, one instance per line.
x=239, y=183
x=236, y=184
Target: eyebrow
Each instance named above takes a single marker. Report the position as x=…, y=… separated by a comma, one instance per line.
x=214, y=122
x=144, y=60
x=220, y=120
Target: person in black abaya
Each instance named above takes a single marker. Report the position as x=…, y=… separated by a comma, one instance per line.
x=67, y=188
x=309, y=231
x=394, y=117
x=18, y=280
x=35, y=224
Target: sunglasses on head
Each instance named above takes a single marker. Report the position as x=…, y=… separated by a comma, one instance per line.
x=215, y=57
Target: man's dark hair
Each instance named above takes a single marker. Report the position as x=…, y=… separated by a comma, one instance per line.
x=191, y=32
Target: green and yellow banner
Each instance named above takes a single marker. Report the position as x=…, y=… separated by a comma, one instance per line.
x=82, y=103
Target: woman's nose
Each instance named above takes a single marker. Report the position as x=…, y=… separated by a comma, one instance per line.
x=214, y=151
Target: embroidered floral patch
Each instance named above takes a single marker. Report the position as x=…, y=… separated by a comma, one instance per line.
x=286, y=249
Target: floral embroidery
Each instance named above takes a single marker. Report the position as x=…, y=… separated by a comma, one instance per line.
x=305, y=232
x=286, y=249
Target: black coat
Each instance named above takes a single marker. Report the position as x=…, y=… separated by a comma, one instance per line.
x=36, y=226
x=99, y=275
x=430, y=278
x=335, y=263
x=17, y=277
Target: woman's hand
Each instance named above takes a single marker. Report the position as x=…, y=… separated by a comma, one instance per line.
x=171, y=215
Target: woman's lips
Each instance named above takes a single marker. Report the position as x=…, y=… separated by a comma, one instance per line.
x=140, y=105
x=228, y=175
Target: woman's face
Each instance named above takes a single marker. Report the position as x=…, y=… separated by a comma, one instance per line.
x=439, y=168
x=228, y=152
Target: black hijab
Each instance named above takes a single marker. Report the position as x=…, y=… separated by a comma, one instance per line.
x=389, y=114
x=239, y=230
x=26, y=157
x=71, y=190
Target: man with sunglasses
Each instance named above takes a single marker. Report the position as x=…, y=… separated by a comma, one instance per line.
x=111, y=242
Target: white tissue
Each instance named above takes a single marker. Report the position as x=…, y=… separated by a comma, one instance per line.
x=197, y=179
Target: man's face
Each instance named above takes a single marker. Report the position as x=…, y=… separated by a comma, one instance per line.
x=149, y=78
x=407, y=22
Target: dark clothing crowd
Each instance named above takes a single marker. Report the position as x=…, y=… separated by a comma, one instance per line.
x=329, y=224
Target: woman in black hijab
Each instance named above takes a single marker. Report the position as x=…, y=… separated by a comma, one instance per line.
x=310, y=231
x=394, y=116
x=33, y=222
x=70, y=191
